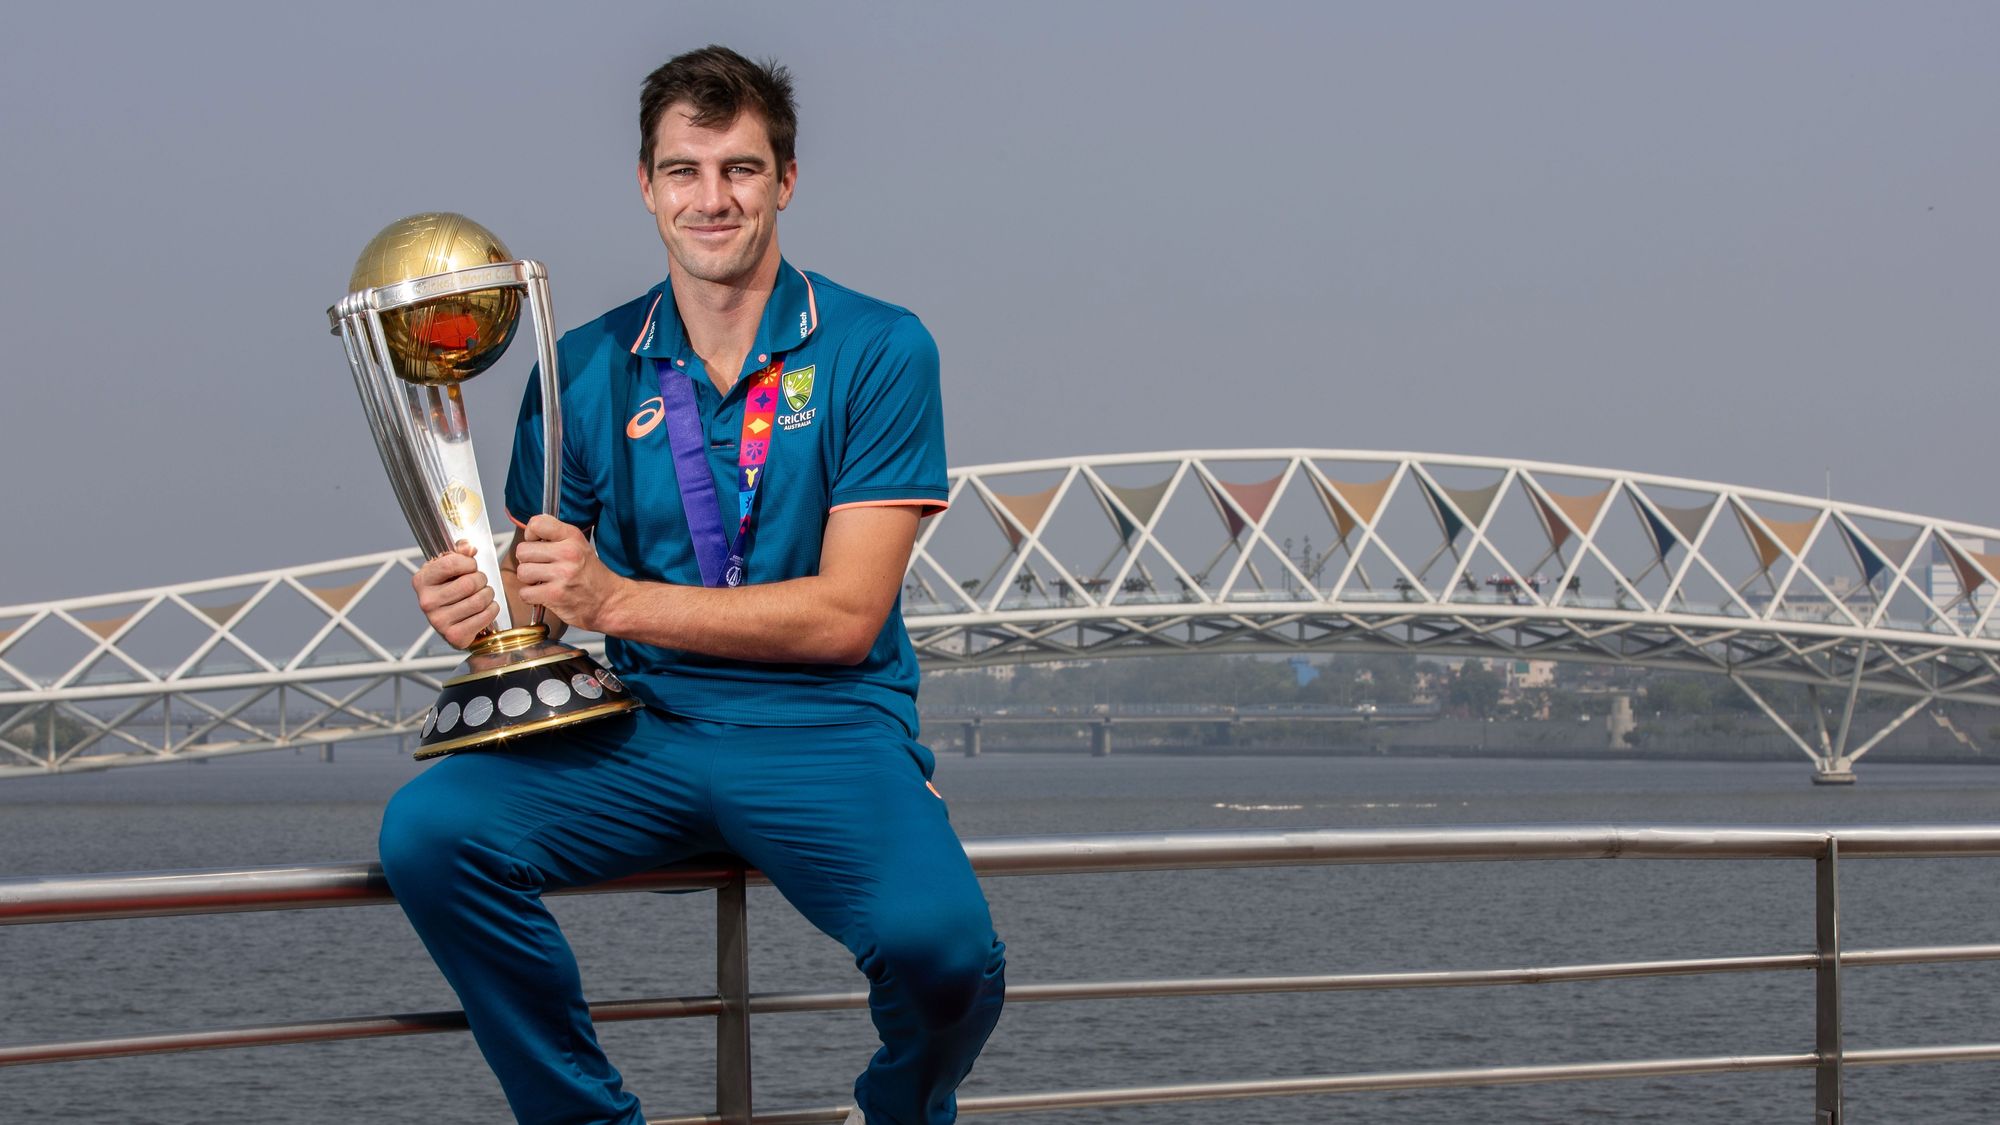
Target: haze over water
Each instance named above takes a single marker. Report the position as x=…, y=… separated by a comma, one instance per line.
x=76, y=981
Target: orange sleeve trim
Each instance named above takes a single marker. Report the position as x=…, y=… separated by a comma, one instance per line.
x=931, y=507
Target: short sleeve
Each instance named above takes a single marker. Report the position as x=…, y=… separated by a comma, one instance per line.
x=894, y=449
x=524, y=474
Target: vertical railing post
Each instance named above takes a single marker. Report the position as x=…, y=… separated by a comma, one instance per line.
x=732, y=986
x=1826, y=982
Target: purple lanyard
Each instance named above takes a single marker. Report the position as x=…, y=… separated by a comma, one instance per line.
x=720, y=566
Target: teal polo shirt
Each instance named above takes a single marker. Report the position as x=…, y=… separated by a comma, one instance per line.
x=860, y=424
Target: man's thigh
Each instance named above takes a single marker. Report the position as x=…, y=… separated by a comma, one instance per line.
x=845, y=822
x=592, y=802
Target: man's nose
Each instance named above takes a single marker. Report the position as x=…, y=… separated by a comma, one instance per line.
x=715, y=197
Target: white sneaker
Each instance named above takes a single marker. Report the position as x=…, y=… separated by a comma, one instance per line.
x=854, y=1117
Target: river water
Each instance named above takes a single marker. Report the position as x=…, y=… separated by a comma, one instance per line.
x=81, y=980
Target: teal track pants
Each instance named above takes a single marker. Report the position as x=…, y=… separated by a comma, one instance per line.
x=842, y=819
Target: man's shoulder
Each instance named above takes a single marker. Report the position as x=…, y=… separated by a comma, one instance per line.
x=852, y=313
x=614, y=333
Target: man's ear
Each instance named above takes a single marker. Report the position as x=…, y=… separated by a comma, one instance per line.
x=646, y=187
x=786, y=183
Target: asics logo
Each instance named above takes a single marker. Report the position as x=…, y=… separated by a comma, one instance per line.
x=648, y=418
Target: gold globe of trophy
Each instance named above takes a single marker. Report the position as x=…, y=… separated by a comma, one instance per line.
x=435, y=299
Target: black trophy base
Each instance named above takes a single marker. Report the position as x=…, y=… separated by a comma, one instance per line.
x=515, y=683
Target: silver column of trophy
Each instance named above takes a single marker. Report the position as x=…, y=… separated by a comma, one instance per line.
x=435, y=299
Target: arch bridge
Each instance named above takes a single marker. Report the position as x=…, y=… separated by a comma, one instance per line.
x=1235, y=551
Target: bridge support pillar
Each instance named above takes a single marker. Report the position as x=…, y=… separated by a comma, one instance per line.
x=1621, y=723
x=1832, y=758
x=971, y=734
x=326, y=752
x=1100, y=739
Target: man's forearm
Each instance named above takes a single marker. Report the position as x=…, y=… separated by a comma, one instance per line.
x=829, y=617
x=802, y=620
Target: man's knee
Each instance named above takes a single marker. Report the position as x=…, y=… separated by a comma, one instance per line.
x=426, y=834
x=946, y=961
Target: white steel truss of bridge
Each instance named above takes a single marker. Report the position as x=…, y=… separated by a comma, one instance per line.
x=1236, y=551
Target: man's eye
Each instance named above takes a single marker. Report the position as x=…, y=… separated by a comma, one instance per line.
x=741, y=170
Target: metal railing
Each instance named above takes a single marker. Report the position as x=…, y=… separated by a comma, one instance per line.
x=94, y=897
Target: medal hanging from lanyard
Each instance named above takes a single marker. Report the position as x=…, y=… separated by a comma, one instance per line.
x=720, y=565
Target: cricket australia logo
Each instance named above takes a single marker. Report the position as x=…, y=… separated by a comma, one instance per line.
x=798, y=389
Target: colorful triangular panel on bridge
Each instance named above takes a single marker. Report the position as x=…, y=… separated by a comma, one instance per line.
x=1670, y=525
x=1898, y=550
x=1475, y=502
x=1794, y=534
x=1552, y=524
x=338, y=596
x=1142, y=501
x=1871, y=561
x=220, y=614
x=1465, y=506
x=1661, y=530
x=238, y=597
x=1688, y=521
x=1774, y=539
x=1767, y=548
x=1447, y=516
x=1974, y=568
x=1028, y=508
x=1581, y=510
x=1355, y=502
x=1251, y=501
x=106, y=627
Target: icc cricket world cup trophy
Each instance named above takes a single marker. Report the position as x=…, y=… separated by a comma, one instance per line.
x=434, y=300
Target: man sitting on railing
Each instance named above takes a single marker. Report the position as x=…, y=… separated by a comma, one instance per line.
x=780, y=716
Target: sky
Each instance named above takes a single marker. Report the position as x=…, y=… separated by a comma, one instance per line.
x=1750, y=243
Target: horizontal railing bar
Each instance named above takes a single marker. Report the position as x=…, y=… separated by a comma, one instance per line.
x=155, y=894
x=786, y=1002
x=1459, y=978
x=1903, y=1056
x=1330, y=1084
x=1402, y=1080
x=777, y=1003
x=1920, y=954
x=326, y=1031
x=262, y=1035
x=166, y=894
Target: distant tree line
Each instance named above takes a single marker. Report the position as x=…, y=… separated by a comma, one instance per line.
x=1469, y=690
x=1203, y=679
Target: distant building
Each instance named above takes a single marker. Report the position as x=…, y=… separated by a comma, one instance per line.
x=1525, y=675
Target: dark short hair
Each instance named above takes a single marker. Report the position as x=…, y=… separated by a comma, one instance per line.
x=719, y=84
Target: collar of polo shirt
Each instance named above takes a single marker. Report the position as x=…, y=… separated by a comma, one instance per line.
x=791, y=316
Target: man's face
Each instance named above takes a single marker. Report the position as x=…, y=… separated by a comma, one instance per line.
x=716, y=194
